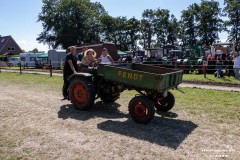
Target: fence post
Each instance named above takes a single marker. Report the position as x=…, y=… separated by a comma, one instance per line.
x=20, y=67
x=50, y=68
x=205, y=69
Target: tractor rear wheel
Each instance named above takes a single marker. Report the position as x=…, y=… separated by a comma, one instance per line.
x=164, y=104
x=82, y=94
x=141, y=109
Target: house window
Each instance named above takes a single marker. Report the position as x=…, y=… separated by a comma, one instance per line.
x=11, y=48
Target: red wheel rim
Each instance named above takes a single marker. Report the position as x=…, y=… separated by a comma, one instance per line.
x=140, y=110
x=80, y=93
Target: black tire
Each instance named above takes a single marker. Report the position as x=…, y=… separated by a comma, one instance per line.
x=164, y=104
x=141, y=109
x=82, y=94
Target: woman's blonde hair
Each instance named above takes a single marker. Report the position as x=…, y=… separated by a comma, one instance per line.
x=90, y=50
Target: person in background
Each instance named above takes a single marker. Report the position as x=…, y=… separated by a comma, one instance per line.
x=136, y=58
x=70, y=67
x=105, y=58
x=219, y=65
x=230, y=70
x=236, y=65
x=81, y=55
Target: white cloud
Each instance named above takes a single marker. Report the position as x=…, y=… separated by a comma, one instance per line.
x=28, y=46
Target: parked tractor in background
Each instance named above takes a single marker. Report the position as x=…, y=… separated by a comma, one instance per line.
x=225, y=49
x=155, y=56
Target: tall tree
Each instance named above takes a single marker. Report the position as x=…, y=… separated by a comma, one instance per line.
x=232, y=10
x=209, y=21
x=188, y=28
x=121, y=33
x=161, y=26
x=70, y=22
x=108, y=29
x=147, y=27
x=133, y=29
x=172, y=30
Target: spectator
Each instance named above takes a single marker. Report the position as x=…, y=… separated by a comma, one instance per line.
x=105, y=57
x=219, y=65
x=70, y=67
x=236, y=65
x=80, y=55
x=136, y=58
x=230, y=70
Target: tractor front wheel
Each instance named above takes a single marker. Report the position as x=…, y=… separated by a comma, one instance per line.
x=82, y=94
x=141, y=109
x=164, y=104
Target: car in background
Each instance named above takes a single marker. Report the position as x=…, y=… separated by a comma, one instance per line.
x=14, y=61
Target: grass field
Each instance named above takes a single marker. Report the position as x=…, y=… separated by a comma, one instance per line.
x=192, y=77
x=210, y=78
x=43, y=127
x=216, y=103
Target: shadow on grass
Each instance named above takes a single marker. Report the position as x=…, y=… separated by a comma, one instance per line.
x=163, y=130
x=100, y=109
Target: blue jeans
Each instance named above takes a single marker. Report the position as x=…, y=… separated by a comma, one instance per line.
x=236, y=72
x=219, y=71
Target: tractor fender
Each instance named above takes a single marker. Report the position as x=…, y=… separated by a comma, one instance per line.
x=80, y=75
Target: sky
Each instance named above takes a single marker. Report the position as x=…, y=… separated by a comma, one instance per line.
x=18, y=18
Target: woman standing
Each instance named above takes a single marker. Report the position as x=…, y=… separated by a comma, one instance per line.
x=70, y=67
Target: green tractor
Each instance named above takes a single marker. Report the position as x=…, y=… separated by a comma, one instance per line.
x=106, y=82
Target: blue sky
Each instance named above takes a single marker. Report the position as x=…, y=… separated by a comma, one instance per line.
x=18, y=18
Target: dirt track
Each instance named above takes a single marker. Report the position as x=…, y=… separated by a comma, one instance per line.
x=38, y=125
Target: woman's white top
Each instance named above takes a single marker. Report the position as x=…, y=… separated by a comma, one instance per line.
x=104, y=59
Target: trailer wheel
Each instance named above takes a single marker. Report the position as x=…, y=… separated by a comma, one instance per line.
x=141, y=109
x=165, y=104
x=82, y=94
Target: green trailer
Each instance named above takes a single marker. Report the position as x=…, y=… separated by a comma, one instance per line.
x=108, y=81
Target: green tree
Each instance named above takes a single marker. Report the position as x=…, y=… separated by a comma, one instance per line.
x=121, y=33
x=209, y=21
x=133, y=29
x=161, y=26
x=147, y=29
x=172, y=30
x=232, y=11
x=35, y=50
x=108, y=29
x=70, y=22
x=187, y=27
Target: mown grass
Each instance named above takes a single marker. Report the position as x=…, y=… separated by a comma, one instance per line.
x=210, y=78
x=212, y=103
x=46, y=82
x=186, y=77
x=217, y=106
x=198, y=105
x=32, y=69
